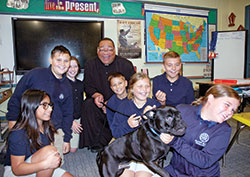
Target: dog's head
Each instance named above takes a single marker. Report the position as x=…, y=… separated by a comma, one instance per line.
x=166, y=119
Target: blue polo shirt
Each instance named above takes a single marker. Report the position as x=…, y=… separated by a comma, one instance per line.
x=77, y=94
x=197, y=153
x=179, y=92
x=113, y=103
x=119, y=126
x=60, y=92
x=19, y=145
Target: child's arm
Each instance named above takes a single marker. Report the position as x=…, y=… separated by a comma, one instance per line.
x=21, y=168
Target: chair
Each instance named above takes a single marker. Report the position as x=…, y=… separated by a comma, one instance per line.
x=243, y=120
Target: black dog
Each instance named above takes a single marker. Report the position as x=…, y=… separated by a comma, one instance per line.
x=142, y=145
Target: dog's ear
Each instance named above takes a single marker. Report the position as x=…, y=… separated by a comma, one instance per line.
x=150, y=114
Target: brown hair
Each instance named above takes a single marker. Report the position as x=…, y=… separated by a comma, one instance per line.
x=116, y=75
x=134, y=78
x=170, y=54
x=60, y=49
x=218, y=91
x=78, y=63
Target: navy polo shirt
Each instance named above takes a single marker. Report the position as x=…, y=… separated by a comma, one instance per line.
x=179, y=92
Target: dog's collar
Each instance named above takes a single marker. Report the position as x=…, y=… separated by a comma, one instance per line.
x=153, y=130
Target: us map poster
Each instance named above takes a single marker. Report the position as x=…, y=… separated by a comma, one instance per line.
x=185, y=34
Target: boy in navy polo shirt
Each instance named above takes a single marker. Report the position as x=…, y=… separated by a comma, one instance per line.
x=53, y=81
x=118, y=84
x=170, y=88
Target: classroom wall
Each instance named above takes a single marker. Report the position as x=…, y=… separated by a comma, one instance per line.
x=224, y=8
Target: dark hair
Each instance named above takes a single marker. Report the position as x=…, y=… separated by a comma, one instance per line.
x=78, y=63
x=30, y=101
x=116, y=75
x=218, y=91
x=60, y=49
x=170, y=54
x=106, y=39
x=134, y=78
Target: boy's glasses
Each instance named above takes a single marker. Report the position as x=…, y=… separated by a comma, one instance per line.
x=109, y=49
x=47, y=105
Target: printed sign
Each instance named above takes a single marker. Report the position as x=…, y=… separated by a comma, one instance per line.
x=72, y=6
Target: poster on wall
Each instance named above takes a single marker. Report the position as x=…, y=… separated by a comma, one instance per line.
x=186, y=34
x=129, y=38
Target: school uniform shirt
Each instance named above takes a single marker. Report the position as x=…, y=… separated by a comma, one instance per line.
x=179, y=92
x=113, y=103
x=19, y=145
x=120, y=125
x=77, y=94
x=59, y=90
x=197, y=153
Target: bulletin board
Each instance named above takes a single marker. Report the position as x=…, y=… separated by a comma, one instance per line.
x=231, y=59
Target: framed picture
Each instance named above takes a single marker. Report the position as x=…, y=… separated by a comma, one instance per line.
x=129, y=38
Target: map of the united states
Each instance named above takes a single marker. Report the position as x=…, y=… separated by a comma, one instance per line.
x=181, y=37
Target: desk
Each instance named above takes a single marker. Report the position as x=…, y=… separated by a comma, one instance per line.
x=205, y=85
x=243, y=120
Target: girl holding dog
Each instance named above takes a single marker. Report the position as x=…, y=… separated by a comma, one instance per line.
x=30, y=151
x=138, y=99
x=207, y=135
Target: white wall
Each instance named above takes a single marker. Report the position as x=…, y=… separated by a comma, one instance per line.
x=6, y=43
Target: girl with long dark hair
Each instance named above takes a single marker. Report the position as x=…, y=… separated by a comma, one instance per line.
x=30, y=149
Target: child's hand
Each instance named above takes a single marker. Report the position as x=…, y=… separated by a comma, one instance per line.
x=161, y=97
x=134, y=121
x=148, y=108
x=166, y=138
x=66, y=147
x=53, y=160
x=76, y=127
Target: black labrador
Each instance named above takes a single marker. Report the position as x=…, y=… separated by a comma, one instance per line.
x=142, y=145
